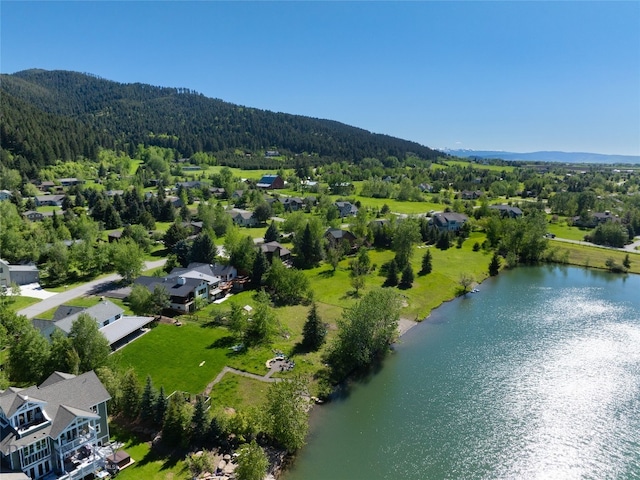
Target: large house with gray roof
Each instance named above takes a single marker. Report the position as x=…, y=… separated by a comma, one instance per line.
x=19, y=274
x=55, y=429
x=112, y=323
x=183, y=291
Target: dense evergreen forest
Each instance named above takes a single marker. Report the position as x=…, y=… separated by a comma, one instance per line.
x=59, y=115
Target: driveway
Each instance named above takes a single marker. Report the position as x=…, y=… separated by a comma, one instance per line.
x=90, y=288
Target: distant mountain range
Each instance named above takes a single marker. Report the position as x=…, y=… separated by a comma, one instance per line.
x=547, y=156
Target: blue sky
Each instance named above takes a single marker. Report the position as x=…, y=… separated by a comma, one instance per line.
x=515, y=76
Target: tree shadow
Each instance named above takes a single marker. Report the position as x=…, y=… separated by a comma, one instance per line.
x=224, y=342
x=326, y=273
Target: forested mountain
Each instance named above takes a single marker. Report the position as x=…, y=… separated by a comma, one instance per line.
x=58, y=115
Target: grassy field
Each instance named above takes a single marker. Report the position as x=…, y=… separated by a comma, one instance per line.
x=562, y=230
x=494, y=168
x=594, y=257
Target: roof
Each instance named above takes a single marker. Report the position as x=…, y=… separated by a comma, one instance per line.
x=170, y=284
x=65, y=398
x=65, y=311
x=118, y=330
x=22, y=268
x=272, y=247
x=507, y=208
x=339, y=234
x=102, y=311
x=268, y=179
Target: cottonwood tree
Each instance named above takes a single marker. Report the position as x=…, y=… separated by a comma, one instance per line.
x=63, y=357
x=465, y=282
x=406, y=235
x=365, y=331
x=92, y=346
x=287, y=412
x=263, y=322
x=127, y=258
x=28, y=357
x=252, y=462
x=140, y=299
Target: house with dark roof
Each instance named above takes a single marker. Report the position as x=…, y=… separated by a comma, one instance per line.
x=33, y=215
x=292, y=204
x=470, y=194
x=448, y=221
x=338, y=238
x=346, y=209
x=54, y=429
x=217, y=276
x=70, y=182
x=275, y=249
x=271, y=182
x=182, y=290
x=20, y=274
x=507, y=210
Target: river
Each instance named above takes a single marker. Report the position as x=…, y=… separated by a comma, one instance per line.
x=536, y=376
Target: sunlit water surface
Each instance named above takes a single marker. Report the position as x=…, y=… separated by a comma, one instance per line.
x=535, y=377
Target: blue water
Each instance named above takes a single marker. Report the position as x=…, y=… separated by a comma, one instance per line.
x=535, y=377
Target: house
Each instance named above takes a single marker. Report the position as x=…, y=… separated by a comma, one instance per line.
x=19, y=274
x=595, y=219
x=272, y=153
x=33, y=215
x=217, y=276
x=470, y=195
x=190, y=185
x=292, y=204
x=338, y=238
x=425, y=187
x=217, y=192
x=237, y=194
x=346, y=209
x=69, y=182
x=49, y=200
x=55, y=428
x=271, y=182
x=507, y=210
x=47, y=184
x=243, y=218
x=275, y=249
x=114, y=236
x=117, y=327
x=448, y=221
x=5, y=195
x=182, y=291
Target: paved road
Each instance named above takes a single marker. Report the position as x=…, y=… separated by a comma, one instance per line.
x=95, y=286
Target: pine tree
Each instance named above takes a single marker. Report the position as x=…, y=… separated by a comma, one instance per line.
x=199, y=423
x=392, y=274
x=148, y=401
x=494, y=265
x=272, y=234
x=160, y=408
x=314, y=331
x=426, y=263
x=260, y=267
x=203, y=249
x=407, y=277
x=173, y=428
x=130, y=399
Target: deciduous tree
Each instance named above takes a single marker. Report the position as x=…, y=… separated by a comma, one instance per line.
x=92, y=346
x=287, y=417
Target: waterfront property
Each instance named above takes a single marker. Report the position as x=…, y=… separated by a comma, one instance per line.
x=54, y=430
x=112, y=323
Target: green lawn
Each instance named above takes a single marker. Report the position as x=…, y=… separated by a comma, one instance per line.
x=20, y=302
x=148, y=464
x=588, y=256
x=172, y=355
x=561, y=230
